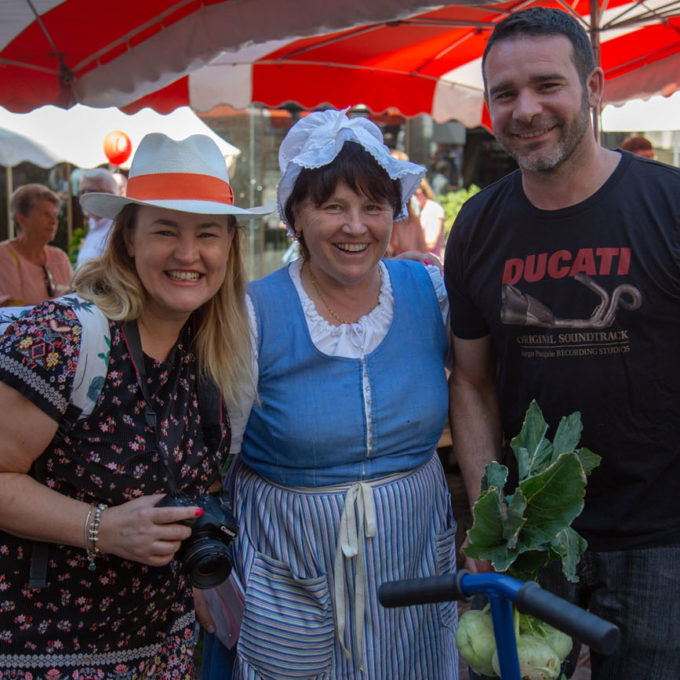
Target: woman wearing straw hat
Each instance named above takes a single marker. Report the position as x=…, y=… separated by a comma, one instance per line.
x=338, y=485
x=113, y=601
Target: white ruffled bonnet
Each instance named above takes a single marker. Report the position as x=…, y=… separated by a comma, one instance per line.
x=316, y=139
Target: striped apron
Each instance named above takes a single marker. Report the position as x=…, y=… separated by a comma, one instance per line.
x=312, y=560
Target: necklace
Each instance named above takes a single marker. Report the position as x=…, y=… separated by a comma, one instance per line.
x=315, y=283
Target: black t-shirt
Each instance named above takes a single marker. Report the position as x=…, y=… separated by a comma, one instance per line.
x=583, y=305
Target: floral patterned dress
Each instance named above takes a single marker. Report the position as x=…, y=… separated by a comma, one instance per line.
x=125, y=620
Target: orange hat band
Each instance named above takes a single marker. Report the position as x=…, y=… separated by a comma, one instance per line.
x=179, y=186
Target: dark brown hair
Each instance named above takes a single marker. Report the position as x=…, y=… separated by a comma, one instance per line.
x=545, y=21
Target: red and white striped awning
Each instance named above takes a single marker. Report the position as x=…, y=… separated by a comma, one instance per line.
x=386, y=54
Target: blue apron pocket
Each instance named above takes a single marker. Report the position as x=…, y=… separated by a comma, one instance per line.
x=446, y=564
x=287, y=630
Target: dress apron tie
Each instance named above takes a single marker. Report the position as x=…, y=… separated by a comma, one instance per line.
x=358, y=513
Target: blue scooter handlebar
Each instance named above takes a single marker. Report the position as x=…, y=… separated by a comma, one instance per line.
x=422, y=590
x=595, y=632
x=529, y=598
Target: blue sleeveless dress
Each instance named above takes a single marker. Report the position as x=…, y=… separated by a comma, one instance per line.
x=339, y=489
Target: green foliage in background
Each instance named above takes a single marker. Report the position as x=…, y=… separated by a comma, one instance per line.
x=75, y=243
x=453, y=202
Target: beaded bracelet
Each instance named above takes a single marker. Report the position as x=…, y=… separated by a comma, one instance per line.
x=93, y=537
x=87, y=524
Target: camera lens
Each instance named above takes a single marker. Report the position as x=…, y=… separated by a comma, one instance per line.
x=207, y=563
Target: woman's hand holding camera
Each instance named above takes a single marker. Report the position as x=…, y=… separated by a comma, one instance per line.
x=140, y=531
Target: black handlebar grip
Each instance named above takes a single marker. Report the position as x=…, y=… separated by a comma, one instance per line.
x=600, y=635
x=422, y=590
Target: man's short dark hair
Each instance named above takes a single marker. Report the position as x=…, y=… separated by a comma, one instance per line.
x=544, y=21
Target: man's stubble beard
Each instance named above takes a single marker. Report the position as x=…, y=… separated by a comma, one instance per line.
x=553, y=158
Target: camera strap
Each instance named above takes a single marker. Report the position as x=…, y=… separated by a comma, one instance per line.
x=134, y=346
x=214, y=418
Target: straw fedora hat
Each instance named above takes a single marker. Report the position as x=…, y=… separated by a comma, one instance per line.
x=188, y=175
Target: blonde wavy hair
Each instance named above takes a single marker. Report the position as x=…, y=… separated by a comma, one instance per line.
x=222, y=343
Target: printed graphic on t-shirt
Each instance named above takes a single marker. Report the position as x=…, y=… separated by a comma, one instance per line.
x=592, y=339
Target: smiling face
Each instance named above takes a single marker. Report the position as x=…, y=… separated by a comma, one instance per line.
x=180, y=258
x=538, y=106
x=346, y=235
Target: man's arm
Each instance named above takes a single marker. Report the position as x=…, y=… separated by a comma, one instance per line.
x=474, y=410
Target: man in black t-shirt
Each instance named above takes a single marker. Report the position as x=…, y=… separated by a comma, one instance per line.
x=564, y=284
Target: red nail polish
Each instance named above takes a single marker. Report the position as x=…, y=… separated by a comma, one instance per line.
x=199, y=512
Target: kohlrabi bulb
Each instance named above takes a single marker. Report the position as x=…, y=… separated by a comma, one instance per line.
x=475, y=640
x=537, y=659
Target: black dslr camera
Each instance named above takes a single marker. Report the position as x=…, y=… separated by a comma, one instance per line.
x=205, y=555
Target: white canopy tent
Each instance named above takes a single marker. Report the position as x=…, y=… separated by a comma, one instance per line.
x=76, y=135
x=51, y=135
x=656, y=114
x=16, y=148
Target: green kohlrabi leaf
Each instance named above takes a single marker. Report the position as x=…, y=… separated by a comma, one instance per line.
x=588, y=459
x=530, y=446
x=502, y=558
x=494, y=476
x=569, y=545
x=526, y=564
x=529, y=528
x=554, y=498
x=568, y=434
x=487, y=530
x=514, y=517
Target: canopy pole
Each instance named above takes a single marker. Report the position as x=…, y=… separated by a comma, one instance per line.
x=69, y=206
x=10, y=189
x=595, y=42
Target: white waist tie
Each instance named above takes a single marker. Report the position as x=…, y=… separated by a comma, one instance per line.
x=358, y=513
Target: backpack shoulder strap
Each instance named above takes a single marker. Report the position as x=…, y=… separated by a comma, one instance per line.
x=93, y=359
x=214, y=419
x=92, y=365
x=11, y=252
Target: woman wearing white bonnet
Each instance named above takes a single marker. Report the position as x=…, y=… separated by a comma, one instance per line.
x=338, y=486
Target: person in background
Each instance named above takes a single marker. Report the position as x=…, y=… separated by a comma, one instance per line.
x=407, y=234
x=440, y=181
x=97, y=180
x=112, y=600
x=30, y=270
x=338, y=486
x=564, y=284
x=638, y=145
x=121, y=182
x=432, y=217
